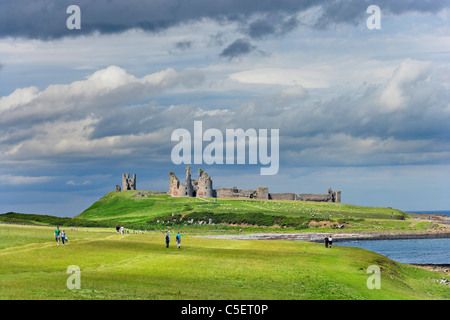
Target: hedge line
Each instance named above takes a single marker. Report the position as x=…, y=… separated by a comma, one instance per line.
x=251, y=218
x=37, y=219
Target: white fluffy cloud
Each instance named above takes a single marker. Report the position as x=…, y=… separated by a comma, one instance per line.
x=59, y=120
x=99, y=118
x=396, y=95
x=103, y=89
x=277, y=76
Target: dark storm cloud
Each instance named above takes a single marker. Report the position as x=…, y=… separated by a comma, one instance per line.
x=46, y=19
x=183, y=45
x=238, y=48
x=271, y=24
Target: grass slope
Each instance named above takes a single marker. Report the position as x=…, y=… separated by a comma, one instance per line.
x=125, y=208
x=138, y=266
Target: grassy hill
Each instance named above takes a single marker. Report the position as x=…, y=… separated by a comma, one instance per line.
x=160, y=211
x=139, y=266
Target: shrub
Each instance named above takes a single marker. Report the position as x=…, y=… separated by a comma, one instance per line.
x=251, y=218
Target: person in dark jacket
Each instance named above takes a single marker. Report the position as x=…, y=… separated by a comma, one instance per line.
x=167, y=239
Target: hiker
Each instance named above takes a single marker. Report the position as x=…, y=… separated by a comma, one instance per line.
x=330, y=241
x=63, y=236
x=117, y=229
x=122, y=229
x=178, y=239
x=167, y=239
x=326, y=242
x=57, y=234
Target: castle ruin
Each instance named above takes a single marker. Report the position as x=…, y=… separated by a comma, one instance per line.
x=203, y=188
x=127, y=183
x=200, y=188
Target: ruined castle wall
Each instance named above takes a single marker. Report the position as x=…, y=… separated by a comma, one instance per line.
x=187, y=189
x=203, y=186
x=337, y=196
x=314, y=197
x=248, y=194
x=156, y=193
x=174, y=185
x=282, y=196
x=262, y=193
x=125, y=177
x=127, y=182
x=178, y=189
x=183, y=191
x=224, y=193
x=204, y=192
x=195, y=186
x=149, y=193
x=235, y=193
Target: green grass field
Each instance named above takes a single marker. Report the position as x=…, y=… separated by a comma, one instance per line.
x=139, y=266
x=144, y=212
x=125, y=205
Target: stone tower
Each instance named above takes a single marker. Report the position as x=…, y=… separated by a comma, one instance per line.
x=127, y=183
x=178, y=189
x=204, y=185
x=336, y=196
x=188, y=188
x=262, y=193
x=174, y=184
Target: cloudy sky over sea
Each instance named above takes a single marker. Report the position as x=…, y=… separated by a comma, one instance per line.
x=364, y=111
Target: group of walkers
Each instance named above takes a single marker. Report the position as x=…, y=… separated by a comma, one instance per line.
x=60, y=236
x=120, y=230
x=177, y=239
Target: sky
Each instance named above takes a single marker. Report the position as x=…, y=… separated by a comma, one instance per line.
x=361, y=110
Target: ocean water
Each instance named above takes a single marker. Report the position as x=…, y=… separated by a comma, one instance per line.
x=446, y=212
x=435, y=251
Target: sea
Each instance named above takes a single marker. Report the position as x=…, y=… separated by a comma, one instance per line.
x=424, y=251
x=446, y=212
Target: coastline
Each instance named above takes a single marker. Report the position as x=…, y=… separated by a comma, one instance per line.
x=433, y=267
x=318, y=237
x=337, y=236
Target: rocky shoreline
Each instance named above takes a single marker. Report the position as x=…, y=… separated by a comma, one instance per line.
x=337, y=236
x=434, y=267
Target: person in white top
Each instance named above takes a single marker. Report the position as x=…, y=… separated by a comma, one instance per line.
x=63, y=236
